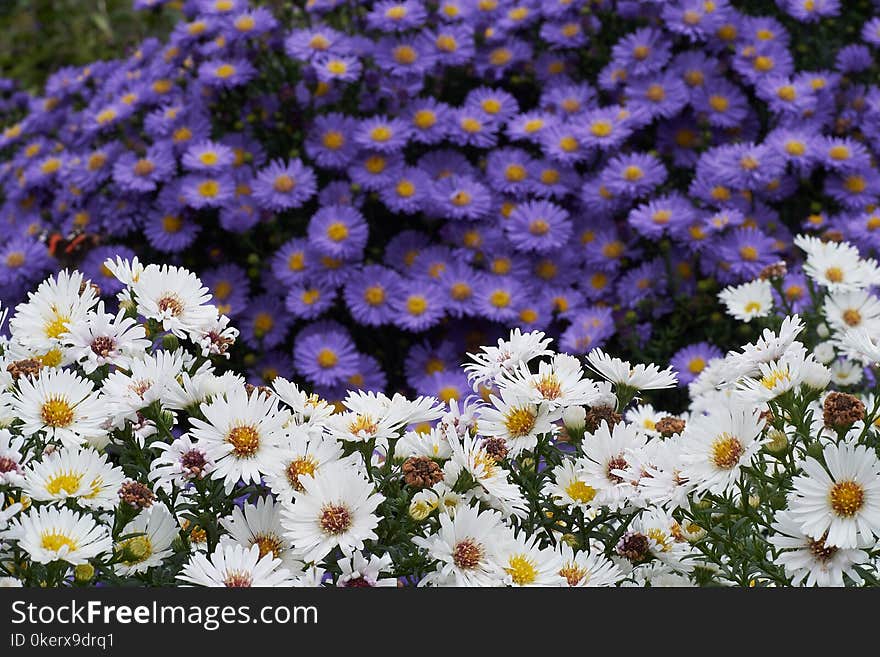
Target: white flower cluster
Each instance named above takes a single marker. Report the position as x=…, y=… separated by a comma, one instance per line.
x=127, y=455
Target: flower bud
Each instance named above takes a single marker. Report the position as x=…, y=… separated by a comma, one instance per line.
x=778, y=441
x=422, y=504
x=84, y=573
x=574, y=418
x=170, y=342
x=822, y=331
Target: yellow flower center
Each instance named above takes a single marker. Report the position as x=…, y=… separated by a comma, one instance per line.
x=601, y=128
x=337, y=231
x=327, y=358
x=171, y=224
x=208, y=188
x=55, y=541
x=521, y=569
x=696, y=365
x=245, y=441
x=405, y=55
x=374, y=295
x=65, y=481
x=834, y=274
x=416, y=305
x=500, y=298
x=727, y=451
x=263, y=323
x=225, y=71
x=304, y=465
x=519, y=422
x=56, y=412
x=847, y=498
x=284, y=184
x=580, y=492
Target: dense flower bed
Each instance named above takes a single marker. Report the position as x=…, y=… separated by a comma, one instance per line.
x=391, y=184
x=134, y=458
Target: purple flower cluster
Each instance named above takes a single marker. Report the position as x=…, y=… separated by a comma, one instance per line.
x=383, y=185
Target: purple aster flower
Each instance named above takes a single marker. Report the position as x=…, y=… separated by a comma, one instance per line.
x=495, y=60
x=843, y=154
x=721, y=102
x=652, y=219
x=634, y=175
x=310, y=301
x=566, y=34
x=795, y=296
x=304, y=44
x=269, y=366
x=604, y=249
x=604, y=128
x=811, y=11
x=369, y=295
x=373, y=170
x=396, y=16
x=293, y=262
x=508, y=169
x=562, y=143
x=265, y=323
x=171, y=231
x=497, y=297
x=208, y=156
x=470, y=127
x=647, y=281
x=589, y=328
x=382, y=133
x=690, y=361
x=460, y=197
x=657, y=95
x=453, y=44
x=495, y=105
x=226, y=73
x=251, y=23
x=404, y=55
x=338, y=231
x=538, y=226
x=568, y=99
x=529, y=125
x=207, y=190
x=284, y=185
x=403, y=249
x=419, y=305
x=325, y=354
x=642, y=52
x=550, y=180
x=330, y=142
x=143, y=174
x=230, y=288
x=459, y=283
x=446, y=386
x=425, y=359
x=330, y=67
x=871, y=31
x=429, y=120
x=407, y=192
x=854, y=190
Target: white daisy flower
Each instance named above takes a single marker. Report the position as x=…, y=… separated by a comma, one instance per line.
x=189, y=391
x=174, y=297
x=235, y=566
x=260, y=524
x=242, y=433
x=335, y=509
x=492, y=362
x=11, y=459
x=59, y=303
x=52, y=533
x=776, y=377
x=61, y=405
x=154, y=531
x=622, y=373
x=812, y=559
x=644, y=418
x=716, y=446
x=516, y=419
x=301, y=455
x=769, y=347
x=307, y=409
x=846, y=372
x=466, y=548
x=358, y=572
x=852, y=310
x=215, y=337
x=841, y=498
x=492, y=483
x=587, y=568
x=179, y=463
x=837, y=265
x=10, y=583
x=747, y=301
x=568, y=487
x=605, y=454
x=432, y=444
x=102, y=339
x=860, y=344
x=558, y=384
x=126, y=393
x=126, y=271
x=72, y=473
x=526, y=564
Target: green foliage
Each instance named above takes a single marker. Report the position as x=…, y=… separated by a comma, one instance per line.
x=37, y=37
